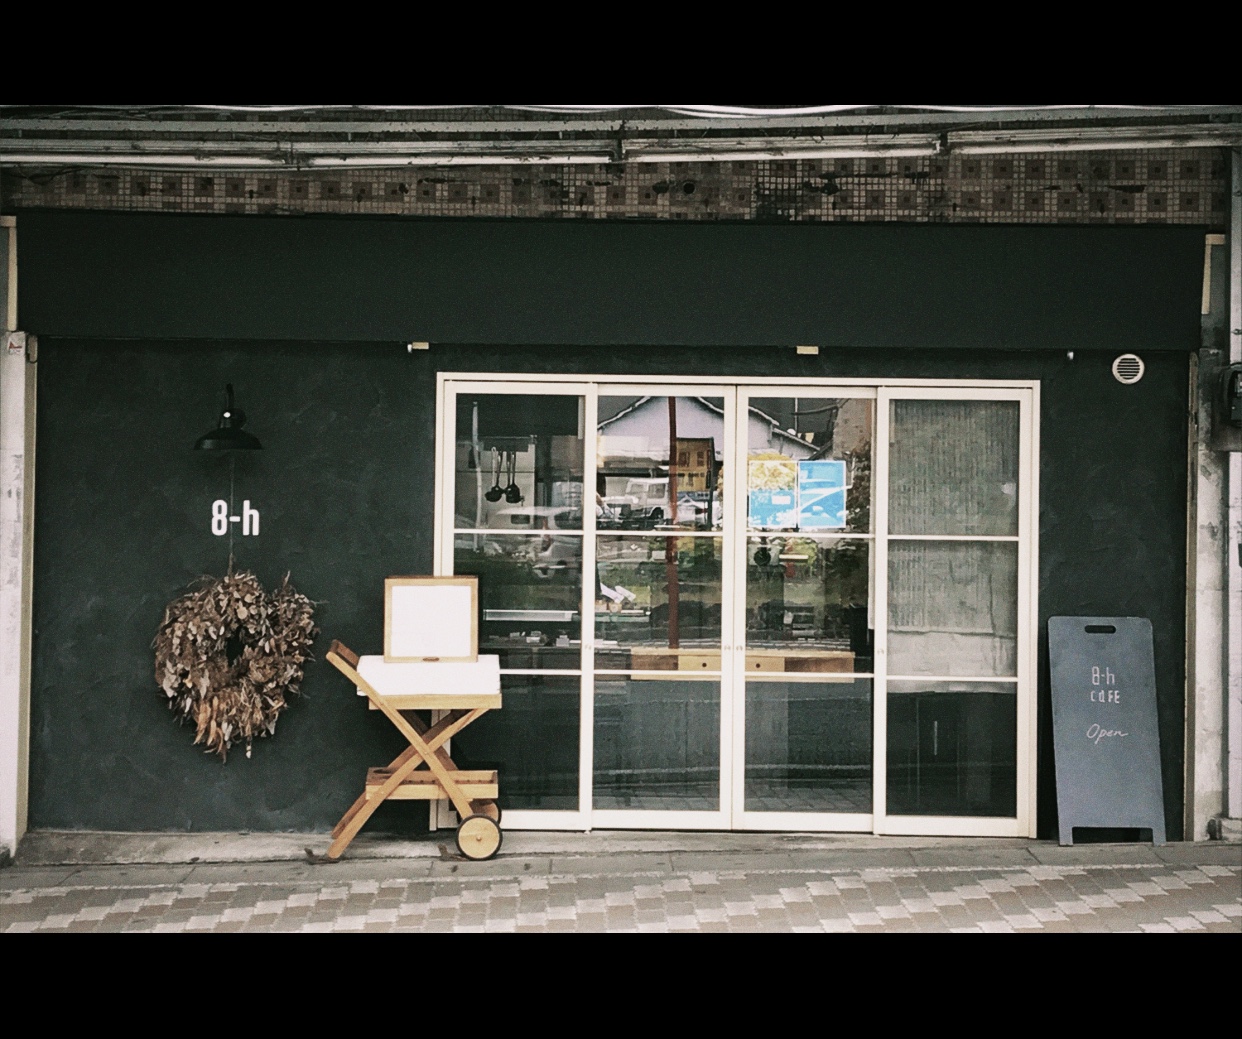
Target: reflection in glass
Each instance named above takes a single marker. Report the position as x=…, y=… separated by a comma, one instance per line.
x=658, y=603
x=808, y=464
x=808, y=746
x=644, y=443
x=530, y=596
x=952, y=749
x=519, y=462
x=532, y=742
x=953, y=608
x=953, y=467
x=806, y=604
x=657, y=744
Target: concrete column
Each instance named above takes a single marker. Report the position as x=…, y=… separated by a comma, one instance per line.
x=17, y=388
x=1214, y=574
x=1233, y=563
x=1207, y=532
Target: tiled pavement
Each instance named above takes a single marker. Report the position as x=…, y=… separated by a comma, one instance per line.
x=614, y=886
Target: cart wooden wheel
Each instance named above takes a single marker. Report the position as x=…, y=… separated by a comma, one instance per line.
x=489, y=808
x=478, y=837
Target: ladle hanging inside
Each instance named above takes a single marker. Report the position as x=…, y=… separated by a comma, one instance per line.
x=513, y=493
x=495, y=493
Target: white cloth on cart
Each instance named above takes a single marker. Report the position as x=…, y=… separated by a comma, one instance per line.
x=432, y=677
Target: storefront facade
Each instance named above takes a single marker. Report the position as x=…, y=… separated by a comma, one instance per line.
x=768, y=520
x=984, y=491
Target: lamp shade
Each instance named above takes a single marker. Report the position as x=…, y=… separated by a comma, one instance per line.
x=228, y=434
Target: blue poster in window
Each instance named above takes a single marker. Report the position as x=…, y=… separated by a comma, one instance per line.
x=821, y=495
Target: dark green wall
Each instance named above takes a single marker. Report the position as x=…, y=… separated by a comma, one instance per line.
x=345, y=487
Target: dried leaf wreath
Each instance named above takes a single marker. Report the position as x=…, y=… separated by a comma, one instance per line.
x=229, y=655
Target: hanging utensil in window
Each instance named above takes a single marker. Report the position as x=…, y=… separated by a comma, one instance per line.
x=513, y=493
x=495, y=493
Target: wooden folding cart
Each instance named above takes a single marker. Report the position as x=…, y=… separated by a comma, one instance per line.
x=466, y=690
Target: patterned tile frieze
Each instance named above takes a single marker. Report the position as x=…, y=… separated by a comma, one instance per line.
x=1176, y=186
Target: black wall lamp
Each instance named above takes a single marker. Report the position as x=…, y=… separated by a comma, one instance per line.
x=229, y=435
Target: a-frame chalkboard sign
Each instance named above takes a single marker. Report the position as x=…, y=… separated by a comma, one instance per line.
x=1105, y=731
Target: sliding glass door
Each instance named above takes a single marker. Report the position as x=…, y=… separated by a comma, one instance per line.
x=957, y=504
x=515, y=519
x=803, y=719
x=663, y=538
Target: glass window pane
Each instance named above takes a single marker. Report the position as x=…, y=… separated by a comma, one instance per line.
x=646, y=441
x=808, y=746
x=808, y=463
x=953, y=467
x=532, y=741
x=657, y=744
x=658, y=603
x=807, y=604
x=952, y=749
x=952, y=608
x=530, y=596
x=519, y=462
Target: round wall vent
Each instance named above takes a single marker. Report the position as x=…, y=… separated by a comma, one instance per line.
x=1128, y=369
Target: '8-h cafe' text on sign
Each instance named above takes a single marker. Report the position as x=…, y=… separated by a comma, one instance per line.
x=1103, y=690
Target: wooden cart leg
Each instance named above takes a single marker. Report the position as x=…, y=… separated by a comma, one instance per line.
x=354, y=809
x=429, y=751
x=364, y=812
x=446, y=782
x=435, y=736
x=396, y=763
x=489, y=808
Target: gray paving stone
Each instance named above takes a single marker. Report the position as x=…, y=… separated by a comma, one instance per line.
x=1199, y=854
x=752, y=883
x=839, y=860
x=1048, y=853
x=19, y=876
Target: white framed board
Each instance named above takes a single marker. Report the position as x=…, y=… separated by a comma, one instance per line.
x=431, y=618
